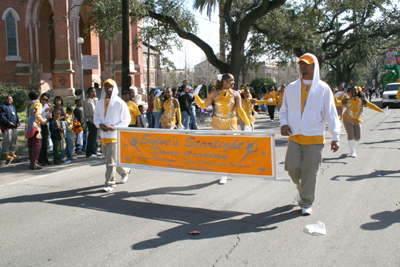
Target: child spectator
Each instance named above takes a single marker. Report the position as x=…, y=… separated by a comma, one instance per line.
x=142, y=117
x=57, y=134
x=80, y=137
x=69, y=118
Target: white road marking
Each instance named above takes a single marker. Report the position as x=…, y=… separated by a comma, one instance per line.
x=41, y=176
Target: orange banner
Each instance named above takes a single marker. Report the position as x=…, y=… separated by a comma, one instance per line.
x=236, y=154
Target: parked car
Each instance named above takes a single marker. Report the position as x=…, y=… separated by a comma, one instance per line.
x=389, y=95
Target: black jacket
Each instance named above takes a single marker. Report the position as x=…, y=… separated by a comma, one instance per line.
x=54, y=130
x=7, y=116
x=185, y=102
x=78, y=114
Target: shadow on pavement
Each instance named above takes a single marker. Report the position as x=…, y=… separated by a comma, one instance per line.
x=376, y=174
x=380, y=142
x=211, y=223
x=384, y=220
x=335, y=160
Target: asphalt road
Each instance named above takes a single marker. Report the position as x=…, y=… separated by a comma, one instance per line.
x=59, y=216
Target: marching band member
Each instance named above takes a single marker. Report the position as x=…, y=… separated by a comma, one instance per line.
x=279, y=97
x=352, y=116
x=248, y=106
x=171, y=106
x=270, y=96
x=227, y=102
x=340, y=94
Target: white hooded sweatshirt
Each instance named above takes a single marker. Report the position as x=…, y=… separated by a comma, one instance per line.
x=117, y=113
x=319, y=110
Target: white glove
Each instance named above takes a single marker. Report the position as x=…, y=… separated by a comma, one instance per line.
x=270, y=100
x=159, y=93
x=338, y=94
x=385, y=110
x=247, y=128
x=181, y=127
x=197, y=90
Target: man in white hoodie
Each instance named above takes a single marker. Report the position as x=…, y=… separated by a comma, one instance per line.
x=111, y=111
x=307, y=107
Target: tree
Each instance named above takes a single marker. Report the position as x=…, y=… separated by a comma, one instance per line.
x=173, y=18
x=332, y=30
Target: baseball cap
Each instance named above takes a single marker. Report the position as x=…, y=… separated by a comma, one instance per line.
x=109, y=81
x=307, y=59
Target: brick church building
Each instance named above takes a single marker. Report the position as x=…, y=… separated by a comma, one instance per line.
x=39, y=48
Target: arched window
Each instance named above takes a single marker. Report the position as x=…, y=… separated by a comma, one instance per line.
x=11, y=17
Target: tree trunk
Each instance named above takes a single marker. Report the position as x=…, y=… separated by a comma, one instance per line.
x=221, y=33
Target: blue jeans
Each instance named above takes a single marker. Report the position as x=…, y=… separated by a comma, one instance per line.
x=80, y=147
x=157, y=116
x=193, y=118
x=69, y=147
x=185, y=120
x=150, y=119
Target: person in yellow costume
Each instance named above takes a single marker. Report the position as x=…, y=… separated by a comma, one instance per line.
x=227, y=102
x=111, y=111
x=171, y=106
x=352, y=116
x=279, y=97
x=270, y=96
x=339, y=95
x=248, y=106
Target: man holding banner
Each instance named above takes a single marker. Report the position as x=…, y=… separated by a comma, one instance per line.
x=111, y=111
x=308, y=105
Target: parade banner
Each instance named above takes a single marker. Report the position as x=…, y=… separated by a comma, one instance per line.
x=227, y=153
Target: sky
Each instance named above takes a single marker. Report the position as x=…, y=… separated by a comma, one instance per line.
x=208, y=31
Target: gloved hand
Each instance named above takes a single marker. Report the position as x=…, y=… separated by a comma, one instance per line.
x=158, y=94
x=197, y=90
x=385, y=110
x=270, y=100
x=247, y=128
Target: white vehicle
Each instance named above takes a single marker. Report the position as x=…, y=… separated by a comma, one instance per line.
x=389, y=95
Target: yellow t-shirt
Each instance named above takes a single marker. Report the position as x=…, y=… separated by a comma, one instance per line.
x=106, y=141
x=271, y=95
x=303, y=139
x=133, y=110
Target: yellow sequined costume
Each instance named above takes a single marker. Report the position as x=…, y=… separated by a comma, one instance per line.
x=354, y=109
x=225, y=111
x=249, y=107
x=168, y=118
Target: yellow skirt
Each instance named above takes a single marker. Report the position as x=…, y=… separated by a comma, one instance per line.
x=251, y=119
x=224, y=124
x=167, y=122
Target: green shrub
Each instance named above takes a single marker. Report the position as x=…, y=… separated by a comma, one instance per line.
x=257, y=84
x=19, y=94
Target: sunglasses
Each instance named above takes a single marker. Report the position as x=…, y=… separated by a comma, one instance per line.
x=45, y=99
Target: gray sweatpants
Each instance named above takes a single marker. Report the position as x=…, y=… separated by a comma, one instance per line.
x=110, y=152
x=302, y=163
x=9, y=144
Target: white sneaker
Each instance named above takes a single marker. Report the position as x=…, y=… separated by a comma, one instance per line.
x=68, y=162
x=93, y=156
x=74, y=158
x=124, y=179
x=99, y=154
x=108, y=188
x=223, y=180
x=271, y=120
x=306, y=211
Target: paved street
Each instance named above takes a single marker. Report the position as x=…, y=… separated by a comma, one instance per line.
x=59, y=216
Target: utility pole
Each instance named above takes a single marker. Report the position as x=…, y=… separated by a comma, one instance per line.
x=148, y=64
x=126, y=78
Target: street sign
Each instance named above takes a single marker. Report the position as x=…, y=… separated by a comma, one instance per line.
x=90, y=62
